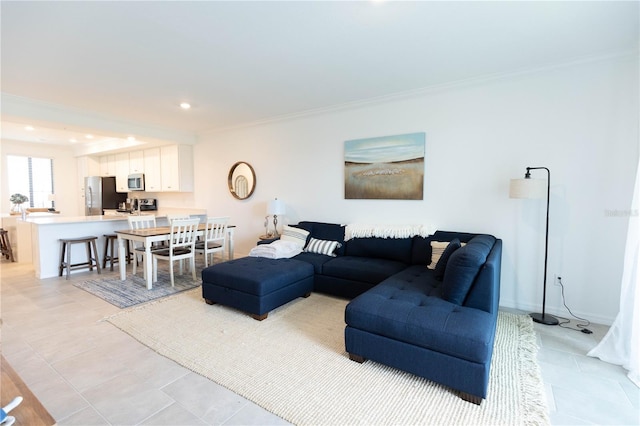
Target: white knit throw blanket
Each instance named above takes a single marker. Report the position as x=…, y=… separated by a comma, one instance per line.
x=357, y=230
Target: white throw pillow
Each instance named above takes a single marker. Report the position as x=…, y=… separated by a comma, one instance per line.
x=295, y=235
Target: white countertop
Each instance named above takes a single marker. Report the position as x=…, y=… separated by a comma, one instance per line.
x=52, y=219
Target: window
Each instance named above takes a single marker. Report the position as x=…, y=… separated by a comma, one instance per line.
x=32, y=177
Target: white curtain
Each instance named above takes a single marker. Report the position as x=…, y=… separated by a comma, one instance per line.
x=621, y=345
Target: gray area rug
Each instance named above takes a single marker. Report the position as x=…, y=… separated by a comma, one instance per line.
x=133, y=290
x=294, y=365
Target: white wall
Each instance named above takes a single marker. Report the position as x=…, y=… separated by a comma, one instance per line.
x=64, y=173
x=581, y=121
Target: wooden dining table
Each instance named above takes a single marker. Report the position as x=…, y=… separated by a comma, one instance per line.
x=148, y=236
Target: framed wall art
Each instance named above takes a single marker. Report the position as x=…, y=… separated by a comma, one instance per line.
x=387, y=167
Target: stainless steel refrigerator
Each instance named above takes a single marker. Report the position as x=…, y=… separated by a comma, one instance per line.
x=100, y=193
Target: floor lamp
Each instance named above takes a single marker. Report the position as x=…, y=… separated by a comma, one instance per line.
x=531, y=188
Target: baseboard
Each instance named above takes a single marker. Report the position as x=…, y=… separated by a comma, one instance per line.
x=591, y=316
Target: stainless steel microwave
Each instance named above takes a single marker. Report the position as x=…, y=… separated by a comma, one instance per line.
x=135, y=182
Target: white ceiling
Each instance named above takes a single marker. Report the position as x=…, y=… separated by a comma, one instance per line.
x=245, y=62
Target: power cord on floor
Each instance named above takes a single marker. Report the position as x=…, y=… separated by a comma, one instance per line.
x=580, y=326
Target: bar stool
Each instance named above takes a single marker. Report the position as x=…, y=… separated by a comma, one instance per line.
x=6, y=245
x=92, y=261
x=111, y=256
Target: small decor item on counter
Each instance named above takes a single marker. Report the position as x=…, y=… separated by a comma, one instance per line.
x=17, y=200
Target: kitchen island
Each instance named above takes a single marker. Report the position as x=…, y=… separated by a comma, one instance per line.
x=40, y=236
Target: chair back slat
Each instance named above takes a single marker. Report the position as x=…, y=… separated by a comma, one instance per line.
x=216, y=229
x=183, y=232
x=141, y=222
x=172, y=217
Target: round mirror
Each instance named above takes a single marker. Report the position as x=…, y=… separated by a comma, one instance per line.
x=242, y=180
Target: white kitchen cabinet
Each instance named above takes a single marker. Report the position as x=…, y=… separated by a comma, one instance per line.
x=108, y=165
x=136, y=162
x=176, y=165
x=122, y=172
x=152, y=174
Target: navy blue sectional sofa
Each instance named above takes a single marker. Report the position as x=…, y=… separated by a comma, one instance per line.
x=436, y=323
x=403, y=316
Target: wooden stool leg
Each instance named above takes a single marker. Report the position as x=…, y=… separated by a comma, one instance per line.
x=95, y=252
x=113, y=258
x=68, y=261
x=7, y=251
x=63, y=247
x=106, y=250
x=89, y=258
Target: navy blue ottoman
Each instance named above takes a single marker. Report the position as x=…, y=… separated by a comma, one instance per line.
x=255, y=284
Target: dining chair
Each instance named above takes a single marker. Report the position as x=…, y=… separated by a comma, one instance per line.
x=172, y=217
x=181, y=246
x=214, y=238
x=140, y=222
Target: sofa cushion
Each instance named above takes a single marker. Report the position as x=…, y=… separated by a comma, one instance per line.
x=325, y=231
x=441, y=266
x=421, y=279
x=420, y=250
x=406, y=312
x=363, y=269
x=315, y=259
x=463, y=267
x=398, y=249
x=325, y=247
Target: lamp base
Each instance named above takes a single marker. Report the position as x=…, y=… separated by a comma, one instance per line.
x=545, y=319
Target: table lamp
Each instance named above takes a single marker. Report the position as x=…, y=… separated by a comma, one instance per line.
x=276, y=207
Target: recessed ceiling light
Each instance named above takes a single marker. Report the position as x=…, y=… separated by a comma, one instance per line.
x=29, y=128
x=185, y=105
x=131, y=139
x=73, y=140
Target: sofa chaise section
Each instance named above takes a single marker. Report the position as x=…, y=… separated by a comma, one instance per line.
x=405, y=322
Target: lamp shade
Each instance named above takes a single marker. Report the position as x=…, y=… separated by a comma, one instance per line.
x=527, y=188
x=276, y=207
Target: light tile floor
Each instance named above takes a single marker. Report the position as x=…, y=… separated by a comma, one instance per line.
x=87, y=372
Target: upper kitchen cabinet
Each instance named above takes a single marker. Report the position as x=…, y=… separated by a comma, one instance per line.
x=176, y=165
x=108, y=165
x=152, y=174
x=122, y=172
x=87, y=166
x=136, y=162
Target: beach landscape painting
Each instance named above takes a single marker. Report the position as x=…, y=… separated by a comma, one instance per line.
x=387, y=167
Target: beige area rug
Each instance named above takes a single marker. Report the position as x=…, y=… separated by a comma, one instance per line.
x=294, y=365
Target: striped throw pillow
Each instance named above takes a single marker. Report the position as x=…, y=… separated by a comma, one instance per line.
x=295, y=235
x=322, y=247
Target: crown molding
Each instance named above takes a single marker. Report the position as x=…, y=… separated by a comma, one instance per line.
x=453, y=85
